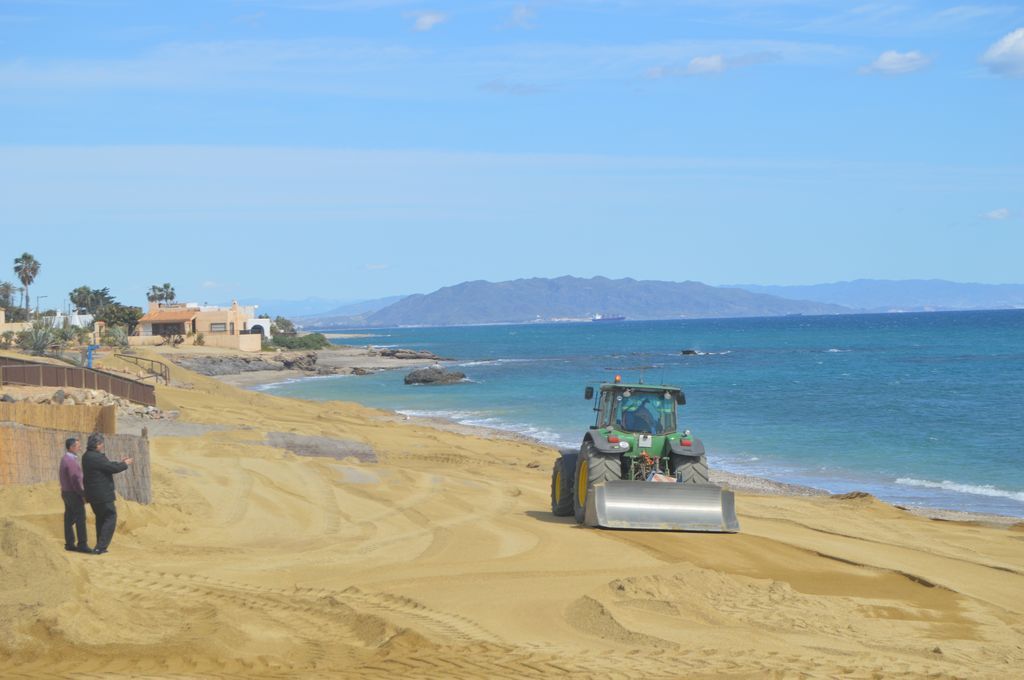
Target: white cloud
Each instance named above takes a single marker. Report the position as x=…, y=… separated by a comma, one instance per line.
x=1006, y=56
x=702, y=65
x=502, y=86
x=330, y=5
x=522, y=17
x=893, y=63
x=424, y=21
x=998, y=214
x=388, y=69
x=961, y=13
x=713, y=64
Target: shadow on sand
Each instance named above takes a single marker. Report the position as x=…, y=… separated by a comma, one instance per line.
x=546, y=516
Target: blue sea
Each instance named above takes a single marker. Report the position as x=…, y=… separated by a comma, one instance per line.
x=918, y=409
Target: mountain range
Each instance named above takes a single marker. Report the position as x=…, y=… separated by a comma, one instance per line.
x=914, y=295
x=570, y=298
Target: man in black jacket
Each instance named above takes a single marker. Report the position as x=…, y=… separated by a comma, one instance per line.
x=99, y=488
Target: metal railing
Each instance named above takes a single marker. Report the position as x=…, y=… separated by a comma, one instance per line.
x=156, y=369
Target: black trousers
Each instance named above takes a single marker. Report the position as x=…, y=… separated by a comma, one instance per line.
x=74, y=520
x=106, y=522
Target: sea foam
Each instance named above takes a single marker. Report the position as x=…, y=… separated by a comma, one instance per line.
x=479, y=419
x=983, y=490
x=491, y=362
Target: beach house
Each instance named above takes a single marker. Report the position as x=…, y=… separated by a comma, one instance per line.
x=234, y=327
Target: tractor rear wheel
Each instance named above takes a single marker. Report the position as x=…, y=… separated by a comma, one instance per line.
x=561, y=485
x=694, y=470
x=592, y=467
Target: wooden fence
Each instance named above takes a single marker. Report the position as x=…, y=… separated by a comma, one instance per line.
x=21, y=372
x=80, y=418
x=30, y=455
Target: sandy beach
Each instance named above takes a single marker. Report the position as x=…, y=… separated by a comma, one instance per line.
x=307, y=539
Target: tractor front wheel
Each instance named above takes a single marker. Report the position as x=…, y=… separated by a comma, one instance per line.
x=592, y=468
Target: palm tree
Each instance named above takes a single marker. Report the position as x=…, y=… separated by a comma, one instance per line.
x=168, y=291
x=7, y=294
x=164, y=293
x=26, y=268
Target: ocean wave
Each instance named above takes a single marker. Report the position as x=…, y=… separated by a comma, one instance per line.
x=439, y=413
x=291, y=381
x=834, y=350
x=701, y=353
x=983, y=490
x=479, y=419
x=491, y=362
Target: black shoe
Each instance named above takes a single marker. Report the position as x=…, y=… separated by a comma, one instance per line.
x=83, y=549
x=70, y=548
x=98, y=551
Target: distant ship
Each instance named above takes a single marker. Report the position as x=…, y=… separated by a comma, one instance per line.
x=608, y=317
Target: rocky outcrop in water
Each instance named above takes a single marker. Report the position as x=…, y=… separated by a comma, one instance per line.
x=414, y=354
x=433, y=375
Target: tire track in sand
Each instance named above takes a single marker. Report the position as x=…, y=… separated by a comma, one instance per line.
x=314, y=609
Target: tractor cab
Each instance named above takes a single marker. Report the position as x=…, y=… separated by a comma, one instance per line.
x=637, y=408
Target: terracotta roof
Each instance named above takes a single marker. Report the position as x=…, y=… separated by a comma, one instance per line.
x=169, y=316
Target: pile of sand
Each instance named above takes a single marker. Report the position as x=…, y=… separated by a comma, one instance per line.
x=405, y=551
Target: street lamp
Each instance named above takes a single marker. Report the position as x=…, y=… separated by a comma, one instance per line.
x=38, y=298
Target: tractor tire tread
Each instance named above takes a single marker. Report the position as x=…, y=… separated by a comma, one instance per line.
x=694, y=470
x=561, y=498
x=601, y=467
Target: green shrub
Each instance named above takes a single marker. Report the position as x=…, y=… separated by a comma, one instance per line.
x=38, y=338
x=310, y=341
x=115, y=336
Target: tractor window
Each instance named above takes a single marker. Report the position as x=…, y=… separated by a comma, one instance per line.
x=646, y=412
x=604, y=409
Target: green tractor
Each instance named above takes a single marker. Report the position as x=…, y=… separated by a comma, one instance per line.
x=637, y=470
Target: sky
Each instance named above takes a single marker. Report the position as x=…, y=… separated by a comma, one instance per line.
x=356, y=149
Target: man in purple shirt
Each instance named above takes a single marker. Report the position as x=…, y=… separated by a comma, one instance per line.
x=73, y=493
